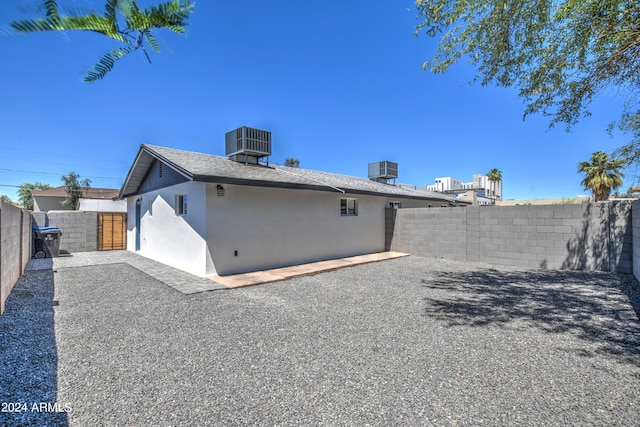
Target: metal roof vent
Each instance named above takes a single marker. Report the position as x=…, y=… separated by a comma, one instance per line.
x=383, y=171
x=248, y=145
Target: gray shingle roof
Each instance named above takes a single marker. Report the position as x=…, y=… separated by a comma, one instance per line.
x=210, y=168
x=90, y=193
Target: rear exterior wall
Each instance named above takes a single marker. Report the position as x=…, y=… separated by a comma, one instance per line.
x=252, y=228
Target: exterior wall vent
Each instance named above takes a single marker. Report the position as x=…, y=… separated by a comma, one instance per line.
x=248, y=145
x=383, y=171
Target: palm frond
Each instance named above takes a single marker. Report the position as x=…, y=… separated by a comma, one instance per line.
x=34, y=25
x=173, y=12
x=95, y=23
x=90, y=22
x=110, y=13
x=151, y=39
x=176, y=28
x=171, y=15
x=52, y=9
x=106, y=63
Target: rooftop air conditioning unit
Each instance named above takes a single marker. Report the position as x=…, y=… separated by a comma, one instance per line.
x=247, y=144
x=383, y=171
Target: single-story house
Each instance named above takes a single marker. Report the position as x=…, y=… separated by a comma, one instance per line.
x=94, y=200
x=212, y=215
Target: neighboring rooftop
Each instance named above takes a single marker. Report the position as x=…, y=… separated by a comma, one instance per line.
x=210, y=168
x=90, y=193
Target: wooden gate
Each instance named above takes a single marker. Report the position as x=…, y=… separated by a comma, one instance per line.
x=112, y=231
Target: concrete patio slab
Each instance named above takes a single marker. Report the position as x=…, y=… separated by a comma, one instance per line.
x=284, y=273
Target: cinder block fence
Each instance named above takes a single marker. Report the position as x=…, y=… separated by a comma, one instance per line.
x=15, y=247
x=79, y=228
x=635, y=221
x=589, y=236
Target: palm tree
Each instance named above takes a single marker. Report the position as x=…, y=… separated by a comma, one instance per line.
x=494, y=175
x=603, y=174
x=123, y=21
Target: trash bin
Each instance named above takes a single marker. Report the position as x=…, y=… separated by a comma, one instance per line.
x=46, y=242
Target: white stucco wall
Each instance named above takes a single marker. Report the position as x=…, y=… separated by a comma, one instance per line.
x=268, y=227
x=175, y=240
x=102, y=205
x=271, y=227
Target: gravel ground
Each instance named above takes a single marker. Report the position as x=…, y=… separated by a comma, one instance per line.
x=412, y=341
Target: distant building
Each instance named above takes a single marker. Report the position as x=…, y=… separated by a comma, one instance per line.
x=95, y=199
x=480, y=191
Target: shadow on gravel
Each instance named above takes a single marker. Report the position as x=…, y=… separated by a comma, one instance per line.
x=601, y=308
x=28, y=386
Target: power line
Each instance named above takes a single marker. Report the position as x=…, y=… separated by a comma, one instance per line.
x=53, y=154
x=54, y=174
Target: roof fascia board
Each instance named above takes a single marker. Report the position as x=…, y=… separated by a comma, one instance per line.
x=288, y=185
x=182, y=171
x=134, y=165
x=144, y=149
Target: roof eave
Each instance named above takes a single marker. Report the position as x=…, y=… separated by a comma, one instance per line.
x=135, y=176
x=289, y=185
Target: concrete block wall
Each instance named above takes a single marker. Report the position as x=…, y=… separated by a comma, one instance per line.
x=635, y=221
x=79, y=228
x=594, y=236
x=430, y=231
x=15, y=247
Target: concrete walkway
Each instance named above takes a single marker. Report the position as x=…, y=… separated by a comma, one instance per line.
x=177, y=279
x=277, y=274
x=188, y=283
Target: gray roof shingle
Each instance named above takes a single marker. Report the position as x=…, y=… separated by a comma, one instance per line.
x=211, y=168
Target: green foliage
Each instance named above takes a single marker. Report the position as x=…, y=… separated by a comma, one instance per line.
x=122, y=20
x=559, y=54
x=602, y=174
x=106, y=63
x=25, y=197
x=494, y=175
x=292, y=162
x=75, y=189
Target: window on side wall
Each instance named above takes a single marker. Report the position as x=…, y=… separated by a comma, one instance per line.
x=348, y=207
x=181, y=204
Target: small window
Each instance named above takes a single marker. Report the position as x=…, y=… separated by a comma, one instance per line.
x=348, y=207
x=181, y=204
x=395, y=205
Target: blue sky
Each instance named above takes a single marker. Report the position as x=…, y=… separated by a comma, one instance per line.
x=339, y=85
